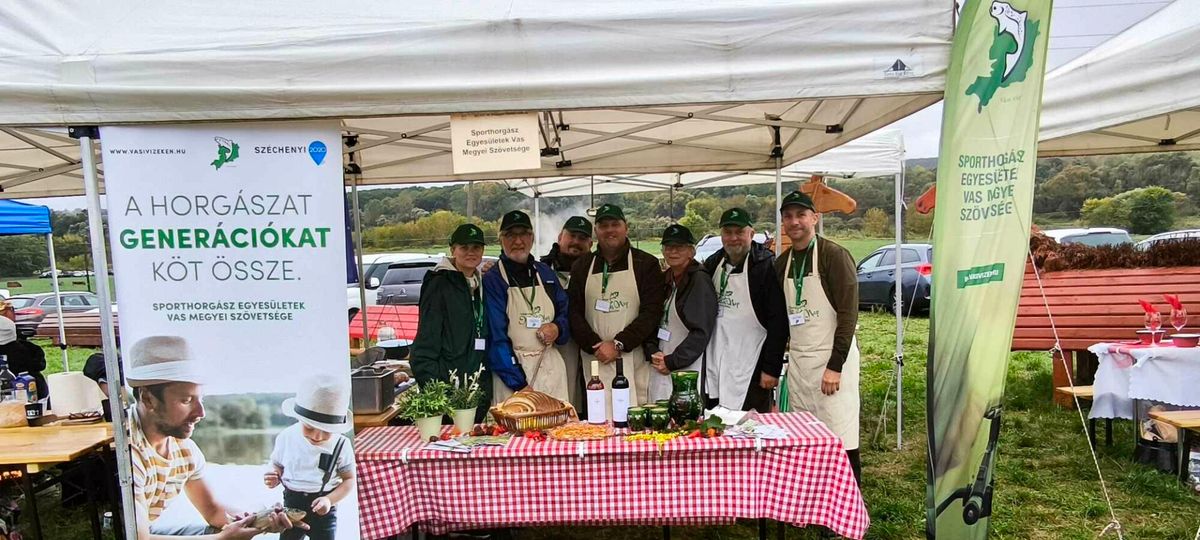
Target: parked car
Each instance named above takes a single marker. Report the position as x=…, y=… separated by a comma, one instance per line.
x=402, y=283
x=877, y=277
x=1167, y=237
x=374, y=267
x=31, y=309
x=711, y=243
x=1095, y=236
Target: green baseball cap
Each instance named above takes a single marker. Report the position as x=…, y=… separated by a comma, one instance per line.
x=737, y=217
x=609, y=211
x=467, y=234
x=516, y=218
x=677, y=234
x=797, y=198
x=578, y=224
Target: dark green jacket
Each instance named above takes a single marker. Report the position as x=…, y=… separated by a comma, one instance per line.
x=446, y=329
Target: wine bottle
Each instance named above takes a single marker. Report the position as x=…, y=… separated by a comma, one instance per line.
x=595, y=396
x=8, y=381
x=620, y=397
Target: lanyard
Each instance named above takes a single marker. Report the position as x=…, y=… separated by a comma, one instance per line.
x=724, y=280
x=533, y=295
x=798, y=277
x=604, y=279
x=477, y=309
x=667, y=308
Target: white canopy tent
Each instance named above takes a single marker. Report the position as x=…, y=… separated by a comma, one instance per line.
x=620, y=87
x=1137, y=92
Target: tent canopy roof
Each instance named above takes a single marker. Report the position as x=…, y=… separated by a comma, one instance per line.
x=1137, y=92
x=620, y=87
x=878, y=154
x=17, y=217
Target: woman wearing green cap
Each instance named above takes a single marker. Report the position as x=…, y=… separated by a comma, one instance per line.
x=689, y=314
x=453, y=332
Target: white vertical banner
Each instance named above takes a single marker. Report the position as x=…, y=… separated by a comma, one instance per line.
x=228, y=248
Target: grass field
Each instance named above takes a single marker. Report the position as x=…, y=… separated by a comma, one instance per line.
x=1046, y=485
x=35, y=285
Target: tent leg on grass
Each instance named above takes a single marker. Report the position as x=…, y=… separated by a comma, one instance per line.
x=111, y=365
x=899, y=300
x=62, y=332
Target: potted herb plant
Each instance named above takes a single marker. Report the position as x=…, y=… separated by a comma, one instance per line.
x=425, y=406
x=465, y=398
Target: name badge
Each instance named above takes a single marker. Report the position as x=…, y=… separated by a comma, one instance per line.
x=603, y=306
x=720, y=312
x=480, y=344
x=796, y=319
x=533, y=322
x=664, y=334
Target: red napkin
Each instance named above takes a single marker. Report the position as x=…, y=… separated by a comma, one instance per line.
x=1173, y=300
x=1147, y=306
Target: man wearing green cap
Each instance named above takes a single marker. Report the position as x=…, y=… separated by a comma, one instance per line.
x=527, y=316
x=616, y=302
x=689, y=314
x=745, y=355
x=574, y=241
x=453, y=332
x=820, y=282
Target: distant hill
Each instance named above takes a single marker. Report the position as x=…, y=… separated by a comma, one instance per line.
x=928, y=163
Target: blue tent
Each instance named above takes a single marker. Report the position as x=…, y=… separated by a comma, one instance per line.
x=23, y=218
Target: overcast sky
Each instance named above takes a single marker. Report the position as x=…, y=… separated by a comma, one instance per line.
x=1077, y=26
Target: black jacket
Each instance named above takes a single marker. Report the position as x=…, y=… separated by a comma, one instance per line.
x=696, y=305
x=766, y=295
x=27, y=357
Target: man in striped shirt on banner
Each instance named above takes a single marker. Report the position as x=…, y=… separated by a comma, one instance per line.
x=166, y=462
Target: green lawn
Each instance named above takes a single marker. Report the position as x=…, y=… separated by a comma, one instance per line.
x=35, y=285
x=1046, y=486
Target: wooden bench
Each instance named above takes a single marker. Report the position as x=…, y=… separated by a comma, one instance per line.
x=1086, y=393
x=1089, y=307
x=1188, y=423
x=81, y=329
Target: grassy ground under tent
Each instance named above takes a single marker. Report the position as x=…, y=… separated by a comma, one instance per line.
x=1046, y=483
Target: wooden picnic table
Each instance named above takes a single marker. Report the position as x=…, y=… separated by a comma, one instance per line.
x=1187, y=422
x=31, y=450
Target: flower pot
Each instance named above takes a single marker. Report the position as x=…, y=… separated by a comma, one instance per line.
x=430, y=426
x=464, y=420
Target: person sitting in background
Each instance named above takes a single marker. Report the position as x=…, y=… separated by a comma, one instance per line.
x=23, y=356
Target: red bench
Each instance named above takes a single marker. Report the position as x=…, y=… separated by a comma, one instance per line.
x=1092, y=306
x=401, y=318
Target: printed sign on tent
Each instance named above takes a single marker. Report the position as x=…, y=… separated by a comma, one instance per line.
x=228, y=252
x=495, y=142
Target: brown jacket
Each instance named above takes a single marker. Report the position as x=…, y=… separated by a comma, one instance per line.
x=839, y=279
x=652, y=292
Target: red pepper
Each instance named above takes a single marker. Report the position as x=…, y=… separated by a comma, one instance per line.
x=694, y=434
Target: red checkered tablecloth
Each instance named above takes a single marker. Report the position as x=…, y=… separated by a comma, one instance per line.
x=801, y=480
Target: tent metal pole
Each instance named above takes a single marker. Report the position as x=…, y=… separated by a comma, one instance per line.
x=358, y=255
x=537, y=215
x=778, y=201
x=899, y=300
x=62, y=332
x=112, y=369
x=470, y=200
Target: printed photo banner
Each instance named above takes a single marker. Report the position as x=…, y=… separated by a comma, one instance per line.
x=229, y=246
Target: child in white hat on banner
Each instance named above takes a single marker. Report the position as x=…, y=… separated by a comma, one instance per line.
x=312, y=459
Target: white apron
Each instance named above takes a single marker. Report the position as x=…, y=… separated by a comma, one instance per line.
x=810, y=346
x=570, y=356
x=543, y=366
x=737, y=340
x=660, y=385
x=622, y=296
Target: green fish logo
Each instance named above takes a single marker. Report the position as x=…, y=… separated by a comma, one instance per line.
x=1011, y=52
x=227, y=151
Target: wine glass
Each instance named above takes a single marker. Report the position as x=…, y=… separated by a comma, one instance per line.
x=1153, y=321
x=1178, y=318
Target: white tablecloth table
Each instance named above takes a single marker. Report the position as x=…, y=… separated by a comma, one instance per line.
x=1129, y=372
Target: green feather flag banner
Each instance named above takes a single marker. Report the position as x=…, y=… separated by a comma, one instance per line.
x=981, y=233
